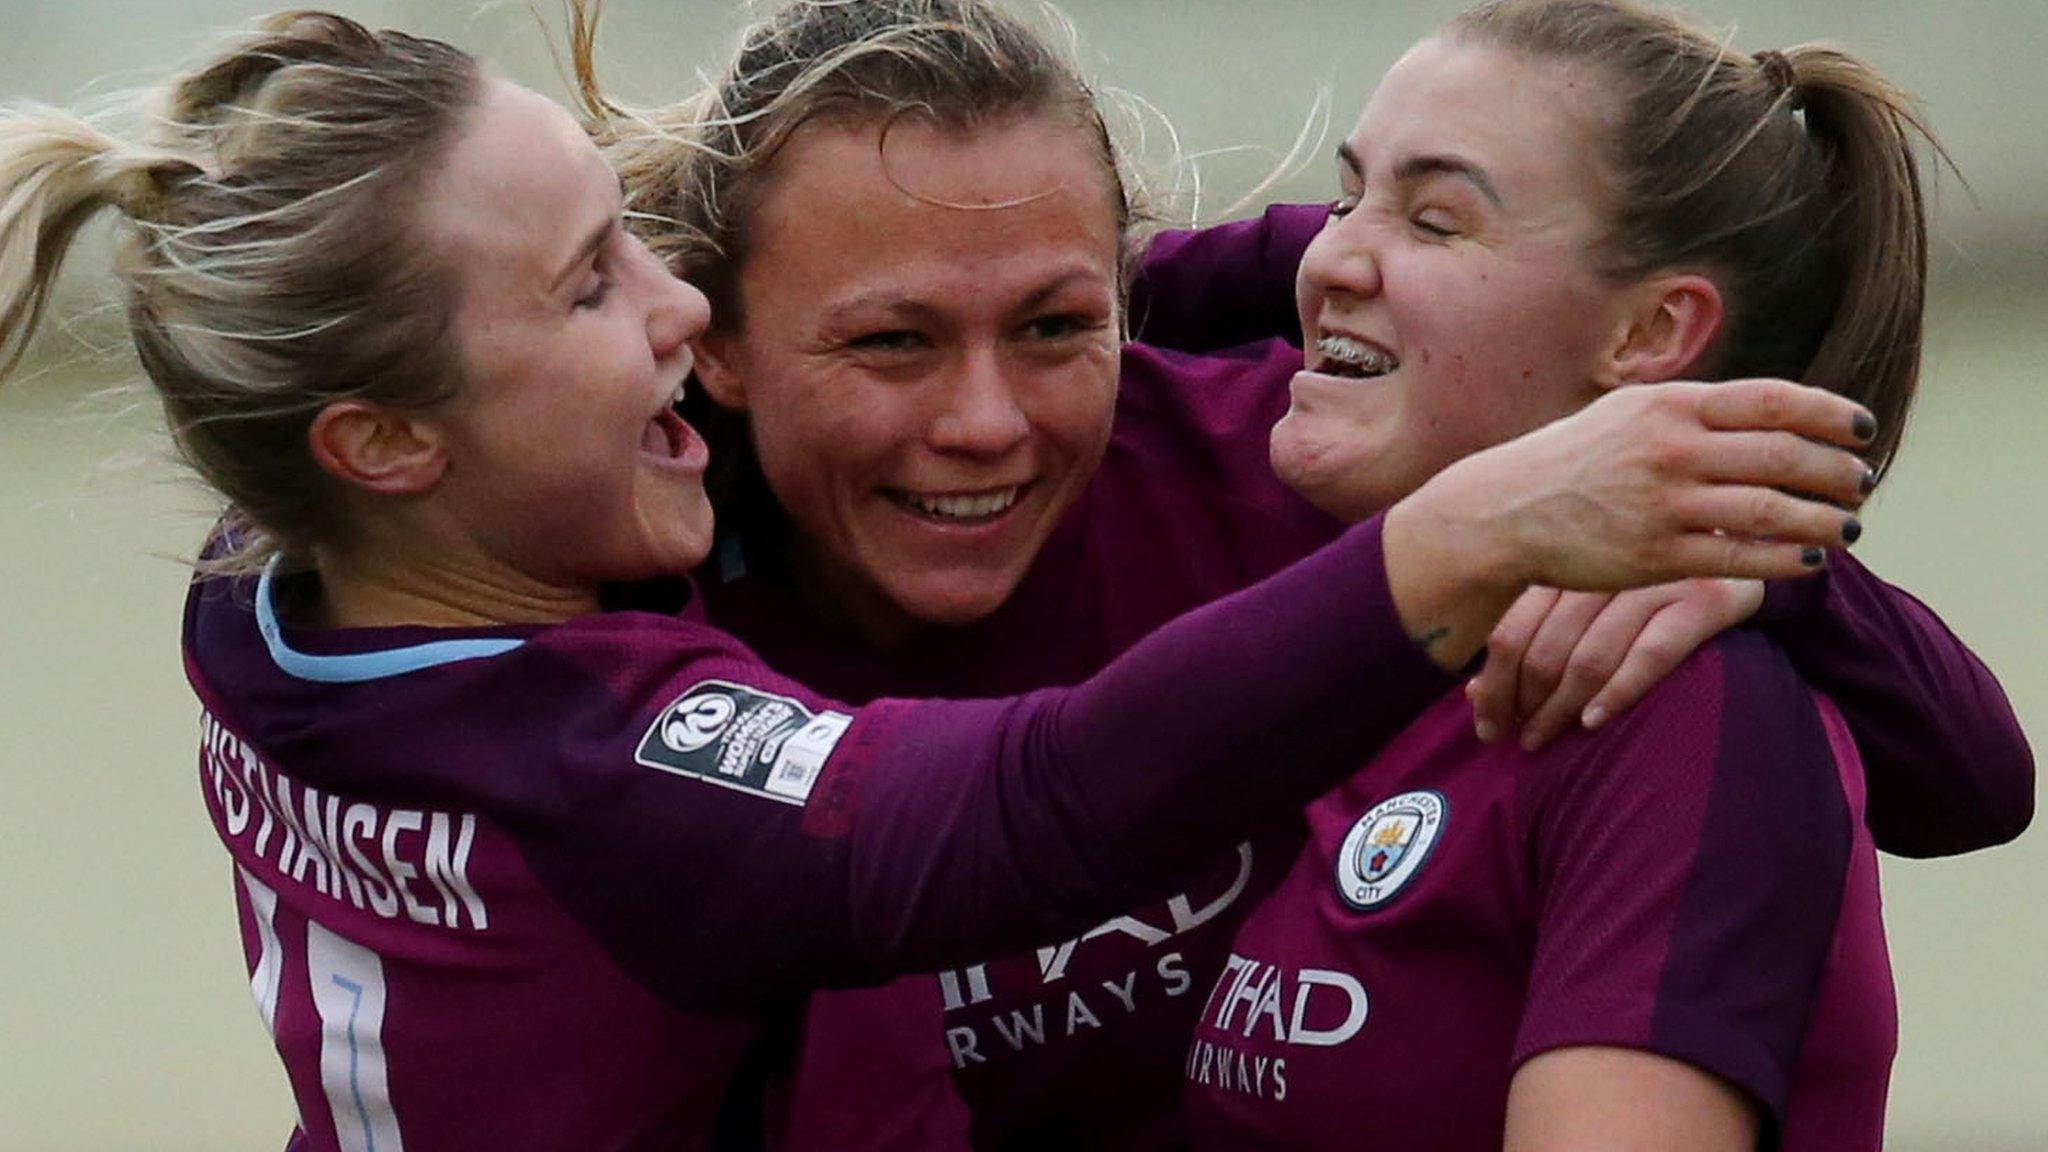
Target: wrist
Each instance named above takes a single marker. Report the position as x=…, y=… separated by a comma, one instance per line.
x=1451, y=575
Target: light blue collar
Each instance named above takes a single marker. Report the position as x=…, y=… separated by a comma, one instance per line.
x=358, y=667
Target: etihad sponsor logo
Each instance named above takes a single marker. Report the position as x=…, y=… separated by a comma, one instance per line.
x=1387, y=846
x=1313, y=1007
x=991, y=1014
x=1255, y=1006
x=1214, y=1066
x=1079, y=1012
x=740, y=738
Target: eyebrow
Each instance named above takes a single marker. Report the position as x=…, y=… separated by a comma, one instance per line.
x=890, y=301
x=1422, y=167
x=1348, y=157
x=584, y=253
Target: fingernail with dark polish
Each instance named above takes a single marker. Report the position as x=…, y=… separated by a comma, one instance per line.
x=1812, y=557
x=1869, y=481
x=1852, y=530
x=1864, y=426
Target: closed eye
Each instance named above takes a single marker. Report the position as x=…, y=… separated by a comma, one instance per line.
x=1059, y=326
x=1434, y=225
x=889, y=340
x=596, y=290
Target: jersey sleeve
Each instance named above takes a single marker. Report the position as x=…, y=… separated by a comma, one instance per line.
x=723, y=869
x=1949, y=769
x=1218, y=287
x=1689, y=871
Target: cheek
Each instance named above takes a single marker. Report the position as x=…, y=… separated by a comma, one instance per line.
x=1074, y=408
x=826, y=434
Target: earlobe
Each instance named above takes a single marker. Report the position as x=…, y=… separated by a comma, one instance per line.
x=376, y=449
x=1668, y=334
x=718, y=373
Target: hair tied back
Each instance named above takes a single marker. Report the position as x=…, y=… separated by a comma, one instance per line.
x=1780, y=76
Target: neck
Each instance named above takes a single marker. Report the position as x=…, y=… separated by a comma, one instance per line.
x=380, y=588
x=843, y=601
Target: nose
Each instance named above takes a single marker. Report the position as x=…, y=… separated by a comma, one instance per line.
x=677, y=312
x=980, y=413
x=1342, y=259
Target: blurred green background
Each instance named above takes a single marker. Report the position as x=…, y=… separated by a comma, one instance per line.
x=125, y=1019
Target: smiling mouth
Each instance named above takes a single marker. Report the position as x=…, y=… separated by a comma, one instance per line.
x=1353, y=359
x=960, y=509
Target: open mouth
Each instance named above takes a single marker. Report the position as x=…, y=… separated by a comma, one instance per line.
x=670, y=439
x=959, y=509
x=1350, y=358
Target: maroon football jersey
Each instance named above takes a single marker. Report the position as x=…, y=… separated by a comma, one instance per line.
x=1695, y=880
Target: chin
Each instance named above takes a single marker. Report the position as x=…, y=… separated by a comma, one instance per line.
x=1336, y=478
x=956, y=603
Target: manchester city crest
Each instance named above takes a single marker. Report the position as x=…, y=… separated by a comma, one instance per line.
x=1387, y=846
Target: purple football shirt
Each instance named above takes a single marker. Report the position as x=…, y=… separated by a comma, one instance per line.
x=1078, y=1046
x=1074, y=1042
x=550, y=887
x=1695, y=880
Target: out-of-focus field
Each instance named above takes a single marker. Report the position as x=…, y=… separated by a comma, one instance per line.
x=125, y=1020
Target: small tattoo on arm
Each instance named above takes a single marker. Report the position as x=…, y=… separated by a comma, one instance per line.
x=1428, y=639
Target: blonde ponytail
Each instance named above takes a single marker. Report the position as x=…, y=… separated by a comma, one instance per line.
x=56, y=172
x=269, y=266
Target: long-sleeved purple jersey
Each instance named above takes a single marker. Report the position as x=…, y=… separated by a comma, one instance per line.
x=550, y=887
x=1694, y=881
x=1079, y=1046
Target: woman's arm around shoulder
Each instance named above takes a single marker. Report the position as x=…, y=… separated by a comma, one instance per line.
x=1949, y=768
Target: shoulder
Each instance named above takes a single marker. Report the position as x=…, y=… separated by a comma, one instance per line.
x=1731, y=747
x=1739, y=689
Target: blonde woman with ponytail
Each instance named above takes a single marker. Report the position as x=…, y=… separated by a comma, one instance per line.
x=518, y=871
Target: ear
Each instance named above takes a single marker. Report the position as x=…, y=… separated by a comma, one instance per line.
x=1666, y=332
x=370, y=447
x=718, y=368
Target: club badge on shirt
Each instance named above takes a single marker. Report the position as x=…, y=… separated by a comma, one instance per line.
x=740, y=738
x=1387, y=846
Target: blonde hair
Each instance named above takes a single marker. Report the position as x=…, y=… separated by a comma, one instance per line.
x=695, y=169
x=1789, y=176
x=266, y=264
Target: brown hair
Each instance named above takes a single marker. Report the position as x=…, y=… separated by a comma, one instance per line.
x=1789, y=177
x=266, y=265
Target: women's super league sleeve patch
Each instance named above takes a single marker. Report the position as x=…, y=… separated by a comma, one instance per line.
x=736, y=737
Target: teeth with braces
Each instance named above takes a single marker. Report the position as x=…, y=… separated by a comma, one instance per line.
x=1357, y=354
x=970, y=507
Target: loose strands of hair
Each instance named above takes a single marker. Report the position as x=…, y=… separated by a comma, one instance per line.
x=267, y=266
